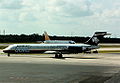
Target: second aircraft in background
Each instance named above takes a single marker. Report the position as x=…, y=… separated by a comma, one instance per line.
x=49, y=41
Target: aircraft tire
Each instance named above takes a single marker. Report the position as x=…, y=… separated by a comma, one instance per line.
x=95, y=51
x=8, y=55
x=56, y=56
x=60, y=56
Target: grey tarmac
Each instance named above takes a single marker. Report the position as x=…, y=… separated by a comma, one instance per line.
x=73, y=68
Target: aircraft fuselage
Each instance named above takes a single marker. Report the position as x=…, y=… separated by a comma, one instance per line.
x=41, y=48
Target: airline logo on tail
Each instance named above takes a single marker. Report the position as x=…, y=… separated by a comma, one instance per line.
x=95, y=40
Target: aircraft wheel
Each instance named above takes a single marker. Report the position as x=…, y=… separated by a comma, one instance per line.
x=56, y=55
x=8, y=55
x=95, y=51
x=60, y=56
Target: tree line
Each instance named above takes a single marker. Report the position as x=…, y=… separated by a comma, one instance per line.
x=23, y=38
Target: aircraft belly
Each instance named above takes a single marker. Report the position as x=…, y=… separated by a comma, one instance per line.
x=24, y=51
x=9, y=51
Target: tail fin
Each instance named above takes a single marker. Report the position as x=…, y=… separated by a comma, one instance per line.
x=46, y=36
x=96, y=38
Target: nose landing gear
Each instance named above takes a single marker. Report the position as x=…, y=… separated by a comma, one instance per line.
x=8, y=55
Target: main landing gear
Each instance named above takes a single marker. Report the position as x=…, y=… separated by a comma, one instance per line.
x=8, y=55
x=58, y=55
x=95, y=51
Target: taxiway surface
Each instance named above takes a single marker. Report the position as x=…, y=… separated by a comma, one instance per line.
x=74, y=68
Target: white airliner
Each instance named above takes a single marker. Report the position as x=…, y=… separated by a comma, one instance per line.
x=49, y=41
x=58, y=49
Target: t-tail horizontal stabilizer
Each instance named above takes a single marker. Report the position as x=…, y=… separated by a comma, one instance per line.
x=94, y=40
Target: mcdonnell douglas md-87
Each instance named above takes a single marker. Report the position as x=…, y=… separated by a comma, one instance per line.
x=58, y=49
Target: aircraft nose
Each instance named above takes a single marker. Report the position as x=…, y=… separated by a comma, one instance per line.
x=5, y=51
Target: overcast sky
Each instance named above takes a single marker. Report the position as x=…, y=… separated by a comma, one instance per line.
x=60, y=17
